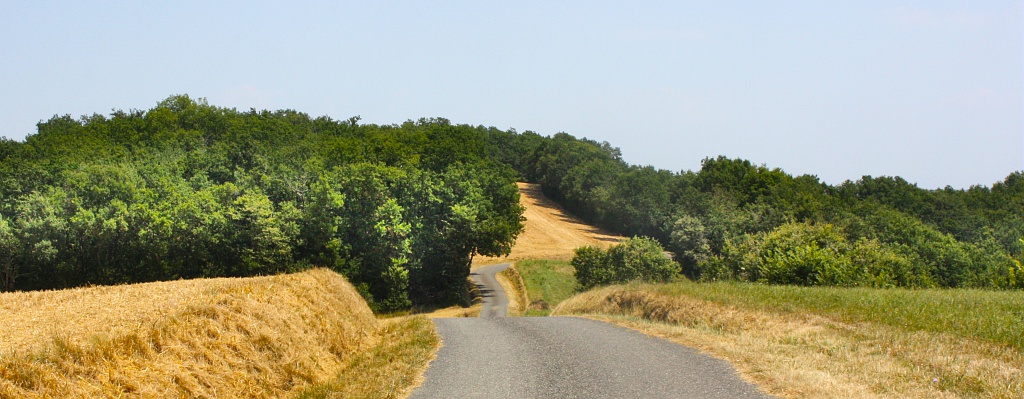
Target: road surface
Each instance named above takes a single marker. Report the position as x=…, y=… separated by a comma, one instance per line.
x=494, y=300
x=565, y=357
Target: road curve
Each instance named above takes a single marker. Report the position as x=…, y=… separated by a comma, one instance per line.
x=565, y=357
x=495, y=301
x=569, y=357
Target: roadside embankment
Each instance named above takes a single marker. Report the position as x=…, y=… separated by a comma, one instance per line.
x=512, y=281
x=809, y=347
x=226, y=337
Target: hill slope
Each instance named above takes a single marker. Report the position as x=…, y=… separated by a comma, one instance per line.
x=249, y=337
x=550, y=232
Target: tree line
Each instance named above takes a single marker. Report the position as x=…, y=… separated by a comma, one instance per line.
x=189, y=190
x=734, y=220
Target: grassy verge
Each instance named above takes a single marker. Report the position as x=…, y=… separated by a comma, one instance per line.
x=994, y=316
x=548, y=283
x=830, y=342
x=518, y=301
x=392, y=368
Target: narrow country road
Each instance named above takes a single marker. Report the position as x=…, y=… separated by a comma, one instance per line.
x=494, y=300
x=565, y=357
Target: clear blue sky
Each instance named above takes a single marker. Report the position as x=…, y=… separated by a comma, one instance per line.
x=932, y=91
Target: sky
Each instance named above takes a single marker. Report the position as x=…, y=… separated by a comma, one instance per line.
x=932, y=91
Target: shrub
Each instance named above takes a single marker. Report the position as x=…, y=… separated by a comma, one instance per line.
x=805, y=254
x=820, y=254
x=591, y=266
x=639, y=258
x=690, y=244
x=885, y=266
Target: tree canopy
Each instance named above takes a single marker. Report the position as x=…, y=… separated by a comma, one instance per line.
x=188, y=190
x=733, y=219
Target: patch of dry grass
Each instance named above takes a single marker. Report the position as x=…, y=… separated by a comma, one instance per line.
x=389, y=370
x=253, y=337
x=455, y=311
x=515, y=290
x=803, y=354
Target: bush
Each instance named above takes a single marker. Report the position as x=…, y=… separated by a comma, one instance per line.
x=591, y=266
x=805, y=254
x=810, y=254
x=639, y=258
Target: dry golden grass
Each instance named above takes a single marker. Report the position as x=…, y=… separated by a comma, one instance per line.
x=456, y=311
x=389, y=370
x=515, y=289
x=812, y=356
x=549, y=231
x=253, y=337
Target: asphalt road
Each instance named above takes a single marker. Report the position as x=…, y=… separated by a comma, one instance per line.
x=494, y=300
x=566, y=357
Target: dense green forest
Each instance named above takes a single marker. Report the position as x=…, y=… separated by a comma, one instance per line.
x=187, y=190
x=733, y=220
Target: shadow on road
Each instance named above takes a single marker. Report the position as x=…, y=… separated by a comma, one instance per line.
x=482, y=288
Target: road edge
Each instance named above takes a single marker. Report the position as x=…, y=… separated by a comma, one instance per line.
x=512, y=281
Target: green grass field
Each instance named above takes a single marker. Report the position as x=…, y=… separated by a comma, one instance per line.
x=993, y=316
x=550, y=281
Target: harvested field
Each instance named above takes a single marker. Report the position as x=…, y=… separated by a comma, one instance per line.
x=550, y=232
x=246, y=337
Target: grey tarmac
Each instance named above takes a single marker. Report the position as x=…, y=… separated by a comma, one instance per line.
x=568, y=357
x=495, y=302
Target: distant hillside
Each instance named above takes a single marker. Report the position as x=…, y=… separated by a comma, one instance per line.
x=549, y=231
x=733, y=220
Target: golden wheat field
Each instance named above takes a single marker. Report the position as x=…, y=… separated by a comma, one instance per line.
x=550, y=232
x=252, y=337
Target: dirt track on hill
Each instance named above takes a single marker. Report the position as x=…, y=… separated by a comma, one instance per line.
x=550, y=232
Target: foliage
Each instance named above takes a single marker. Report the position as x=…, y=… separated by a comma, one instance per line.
x=188, y=190
x=809, y=254
x=882, y=231
x=639, y=258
